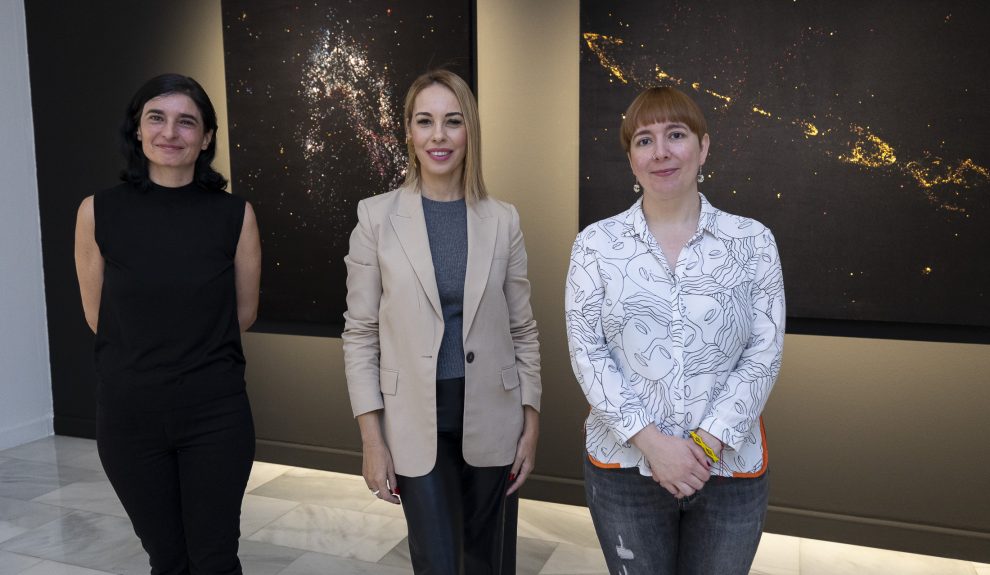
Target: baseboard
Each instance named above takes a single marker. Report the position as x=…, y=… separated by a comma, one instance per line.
x=882, y=533
x=311, y=456
x=26, y=432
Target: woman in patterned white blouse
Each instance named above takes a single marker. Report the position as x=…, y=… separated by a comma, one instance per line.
x=675, y=322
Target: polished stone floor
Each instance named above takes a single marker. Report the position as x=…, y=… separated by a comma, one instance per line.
x=59, y=516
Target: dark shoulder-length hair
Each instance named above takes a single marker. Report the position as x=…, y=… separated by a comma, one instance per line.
x=136, y=170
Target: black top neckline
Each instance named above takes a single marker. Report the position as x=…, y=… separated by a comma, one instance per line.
x=190, y=187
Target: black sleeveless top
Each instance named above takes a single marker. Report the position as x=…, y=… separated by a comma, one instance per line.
x=168, y=334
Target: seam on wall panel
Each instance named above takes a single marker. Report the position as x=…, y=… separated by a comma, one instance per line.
x=872, y=521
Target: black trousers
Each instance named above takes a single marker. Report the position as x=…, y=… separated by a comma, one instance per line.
x=180, y=476
x=460, y=521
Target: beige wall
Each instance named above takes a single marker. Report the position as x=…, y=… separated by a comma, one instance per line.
x=872, y=441
x=528, y=98
x=203, y=60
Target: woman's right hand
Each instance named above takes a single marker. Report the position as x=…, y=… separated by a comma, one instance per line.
x=678, y=465
x=378, y=472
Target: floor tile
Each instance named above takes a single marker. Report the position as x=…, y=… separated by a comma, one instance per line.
x=826, y=558
x=318, y=488
x=52, y=449
x=340, y=532
x=18, y=517
x=398, y=556
x=531, y=555
x=321, y=564
x=9, y=531
x=264, y=559
x=95, y=496
x=777, y=555
x=82, y=538
x=570, y=559
x=25, y=480
x=55, y=568
x=263, y=472
x=380, y=507
x=13, y=564
x=257, y=512
x=89, y=461
x=557, y=522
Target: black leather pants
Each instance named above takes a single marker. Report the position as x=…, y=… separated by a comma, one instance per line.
x=459, y=519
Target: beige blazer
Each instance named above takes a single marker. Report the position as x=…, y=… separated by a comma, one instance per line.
x=393, y=327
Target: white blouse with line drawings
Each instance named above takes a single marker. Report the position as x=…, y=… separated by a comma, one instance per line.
x=695, y=347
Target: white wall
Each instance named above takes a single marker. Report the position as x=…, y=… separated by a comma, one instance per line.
x=25, y=378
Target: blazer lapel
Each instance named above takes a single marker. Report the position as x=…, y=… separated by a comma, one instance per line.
x=409, y=224
x=482, y=230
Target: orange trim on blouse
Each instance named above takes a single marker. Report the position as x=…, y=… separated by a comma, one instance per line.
x=597, y=463
x=766, y=455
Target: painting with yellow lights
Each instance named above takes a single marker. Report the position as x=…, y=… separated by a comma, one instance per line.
x=859, y=132
x=315, y=92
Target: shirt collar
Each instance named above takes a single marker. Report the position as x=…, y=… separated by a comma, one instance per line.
x=635, y=220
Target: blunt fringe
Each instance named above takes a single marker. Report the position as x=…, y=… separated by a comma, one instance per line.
x=664, y=104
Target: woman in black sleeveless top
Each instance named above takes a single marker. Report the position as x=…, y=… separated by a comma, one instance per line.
x=169, y=267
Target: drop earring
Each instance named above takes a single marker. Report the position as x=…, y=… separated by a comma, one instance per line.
x=701, y=177
x=637, y=188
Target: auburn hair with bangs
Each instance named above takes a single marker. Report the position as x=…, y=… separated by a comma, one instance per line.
x=663, y=104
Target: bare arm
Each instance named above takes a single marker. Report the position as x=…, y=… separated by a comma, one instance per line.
x=247, y=269
x=89, y=262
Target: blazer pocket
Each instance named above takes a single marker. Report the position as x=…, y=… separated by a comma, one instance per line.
x=388, y=380
x=510, y=378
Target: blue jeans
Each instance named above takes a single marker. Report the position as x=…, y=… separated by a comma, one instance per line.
x=643, y=529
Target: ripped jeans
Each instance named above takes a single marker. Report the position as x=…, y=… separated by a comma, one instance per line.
x=643, y=529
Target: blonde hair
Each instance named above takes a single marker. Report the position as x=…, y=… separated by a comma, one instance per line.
x=471, y=179
x=664, y=104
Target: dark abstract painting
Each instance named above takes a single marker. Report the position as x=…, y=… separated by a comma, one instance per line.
x=315, y=93
x=858, y=131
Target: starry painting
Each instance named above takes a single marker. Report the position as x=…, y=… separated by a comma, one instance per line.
x=859, y=132
x=315, y=93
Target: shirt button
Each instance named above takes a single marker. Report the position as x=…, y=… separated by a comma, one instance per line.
x=470, y=356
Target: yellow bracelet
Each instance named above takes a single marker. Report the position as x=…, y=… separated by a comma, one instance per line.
x=708, y=450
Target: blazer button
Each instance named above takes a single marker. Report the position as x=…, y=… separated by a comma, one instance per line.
x=470, y=356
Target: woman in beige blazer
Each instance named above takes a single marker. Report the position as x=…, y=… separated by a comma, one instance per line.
x=440, y=345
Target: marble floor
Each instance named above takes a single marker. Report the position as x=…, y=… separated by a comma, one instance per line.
x=59, y=516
